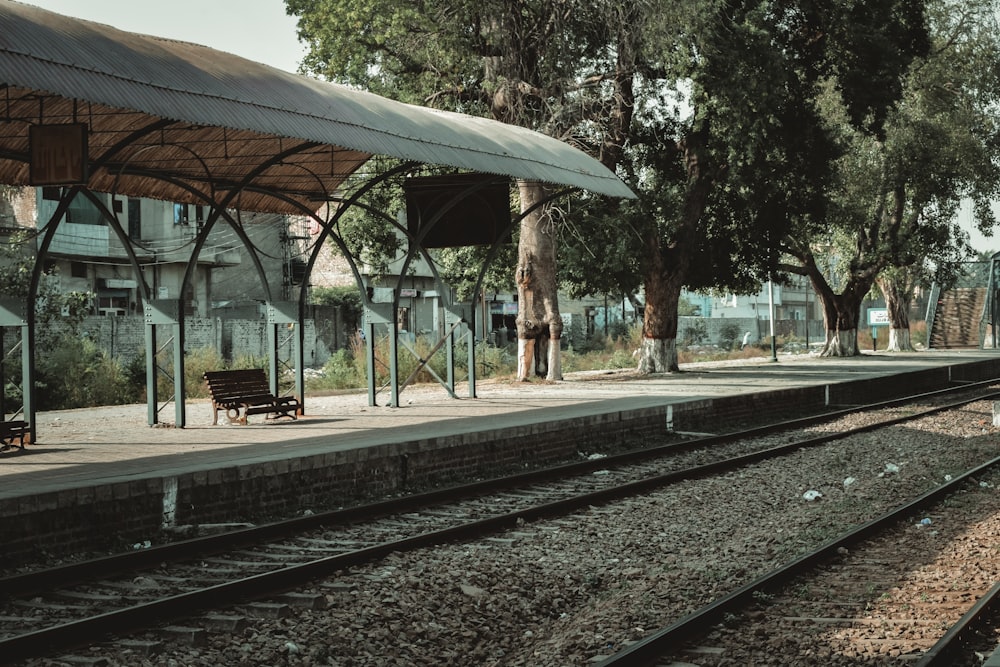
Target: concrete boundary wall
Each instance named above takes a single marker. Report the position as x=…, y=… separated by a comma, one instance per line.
x=123, y=337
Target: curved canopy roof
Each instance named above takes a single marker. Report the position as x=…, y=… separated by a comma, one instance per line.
x=166, y=116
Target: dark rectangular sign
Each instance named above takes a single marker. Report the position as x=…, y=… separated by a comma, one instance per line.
x=458, y=209
x=58, y=154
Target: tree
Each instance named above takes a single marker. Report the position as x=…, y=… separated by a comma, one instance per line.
x=346, y=299
x=727, y=146
x=721, y=174
x=899, y=185
x=945, y=149
x=555, y=66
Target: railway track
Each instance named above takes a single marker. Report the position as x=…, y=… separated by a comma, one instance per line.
x=47, y=610
x=881, y=592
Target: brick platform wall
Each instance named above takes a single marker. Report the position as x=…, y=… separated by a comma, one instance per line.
x=292, y=486
x=75, y=520
x=117, y=515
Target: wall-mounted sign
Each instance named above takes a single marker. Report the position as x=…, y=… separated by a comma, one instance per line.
x=120, y=283
x=58, y=154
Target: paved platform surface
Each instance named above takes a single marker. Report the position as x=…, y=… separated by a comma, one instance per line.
x=101, y=445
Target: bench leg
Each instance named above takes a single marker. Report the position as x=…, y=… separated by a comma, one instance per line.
x=12, y=440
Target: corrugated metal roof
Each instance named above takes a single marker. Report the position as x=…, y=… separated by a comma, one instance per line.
x=231, y=114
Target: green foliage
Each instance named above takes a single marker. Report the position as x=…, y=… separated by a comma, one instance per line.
x=56, y=312
x=619, y=330
x=339, y=372
x=687, y=309
x=196, y=363
x=591, y=343
x=346, y=369
x=729, y=336
x=485, y=58
x=612, y=357
x=347, y=299
x=493, y=362
x=77, y=373
x=370, y=235
x=460, y=268
x=695, y=333
x=134, y=369
x=904, y=172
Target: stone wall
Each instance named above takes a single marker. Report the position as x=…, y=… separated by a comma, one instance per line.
x=760, y=330
x=123, y=337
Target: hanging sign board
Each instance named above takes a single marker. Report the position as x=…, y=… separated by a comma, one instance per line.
x=58, y=154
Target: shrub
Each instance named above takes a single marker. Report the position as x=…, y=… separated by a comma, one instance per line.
x=619, y=329
x=694, y=334
x=339, y=372
x=729, y=334
x=77, y=374
x=196, y=362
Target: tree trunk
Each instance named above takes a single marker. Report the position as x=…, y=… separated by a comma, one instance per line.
x=899, y=340
x=658, y=355
x=539, y=326
x=898, y=305
x=669, y=260
x=663, y=285
x=840, y=311
x=840, y=314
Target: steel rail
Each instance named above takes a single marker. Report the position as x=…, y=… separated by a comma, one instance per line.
x=259, y=585
x=69, y=573
x=944, y=651
x=672, y=638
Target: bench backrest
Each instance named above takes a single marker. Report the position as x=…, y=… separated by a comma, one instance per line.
x=225, y=385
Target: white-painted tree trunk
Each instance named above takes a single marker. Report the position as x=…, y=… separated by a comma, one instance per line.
x=658, y=355
x=841, y=343
x=554, y=371
x=899, y=341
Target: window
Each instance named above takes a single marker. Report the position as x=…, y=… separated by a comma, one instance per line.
x=78, y=269
x=82, y=211
x=134, y=219
x=181, y=214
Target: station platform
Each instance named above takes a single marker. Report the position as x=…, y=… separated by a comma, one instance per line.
x=107, y=469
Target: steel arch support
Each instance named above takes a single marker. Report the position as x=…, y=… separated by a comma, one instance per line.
x=28, y=329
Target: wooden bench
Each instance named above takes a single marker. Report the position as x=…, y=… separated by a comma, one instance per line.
x=13, y=433
x=245, y=392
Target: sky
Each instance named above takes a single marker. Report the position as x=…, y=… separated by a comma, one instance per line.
x=979, y=242
x=255, y=29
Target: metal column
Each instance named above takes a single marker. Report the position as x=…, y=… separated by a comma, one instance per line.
x=14, y=313
x=166, y=312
